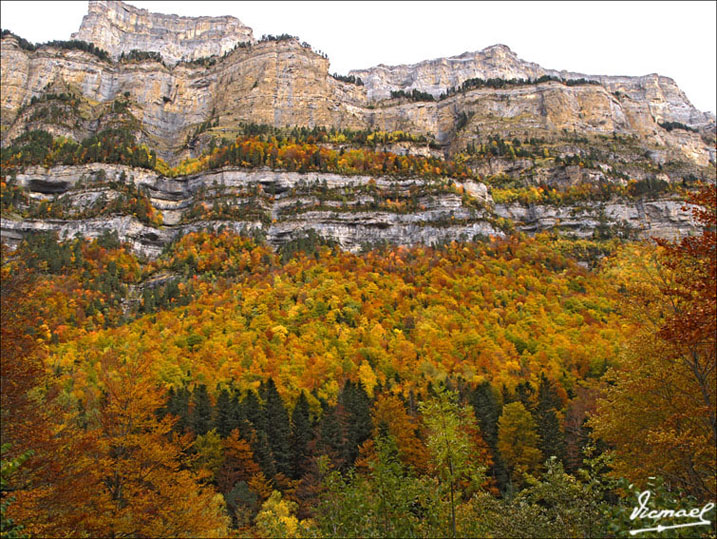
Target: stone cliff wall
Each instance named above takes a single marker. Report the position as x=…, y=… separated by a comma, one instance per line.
x=287, y=204
x=119, y=28
x=284, y=84
x=614, y=126
x=665, y=101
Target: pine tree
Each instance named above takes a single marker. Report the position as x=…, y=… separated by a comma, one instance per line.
x=552, y=439
x=262, y=453
x=278, y=428
x=201, y=417
x=252, y=410
x=300, y=435
x=178, y=405
x=252, y=427
x=223, y=420
x=356, y=407
x=524, y=393
x=488, y=409
x=331, y=435
x=237, y=417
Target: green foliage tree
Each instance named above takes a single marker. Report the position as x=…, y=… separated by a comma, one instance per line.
x=379, y=503
x=208, y=448
x=447, y=424
x=518, y=441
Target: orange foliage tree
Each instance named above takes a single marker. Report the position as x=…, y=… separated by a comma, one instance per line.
x=116, y=471
x=658, y=413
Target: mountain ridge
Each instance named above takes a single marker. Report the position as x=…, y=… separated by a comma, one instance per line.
x=530, y=136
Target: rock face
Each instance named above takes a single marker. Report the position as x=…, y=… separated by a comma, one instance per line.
x=286, y=83
x=119, y=28
x=278, y=83
x=605, y=131
x=659, y=218
x=665, y=100
x=345, y=209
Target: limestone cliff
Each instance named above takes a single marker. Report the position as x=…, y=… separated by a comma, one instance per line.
x=119, y=28
x=605, y=131
x=280, y=83
x=350, y=210
x=664, y=99
x=285, y=83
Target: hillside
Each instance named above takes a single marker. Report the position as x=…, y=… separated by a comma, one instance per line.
x=245, y=297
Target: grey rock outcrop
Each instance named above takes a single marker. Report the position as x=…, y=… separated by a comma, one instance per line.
x=286, y=83
x=291, y=203
x=661, y=218
x=119, y=28
x=665, y=100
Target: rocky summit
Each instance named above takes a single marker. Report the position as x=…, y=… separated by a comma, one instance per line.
x=208, y=126
x=120, y=28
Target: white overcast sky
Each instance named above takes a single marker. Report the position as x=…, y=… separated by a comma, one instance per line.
x=676, y=39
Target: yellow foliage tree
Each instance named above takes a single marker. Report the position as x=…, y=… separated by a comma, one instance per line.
x=518, y=441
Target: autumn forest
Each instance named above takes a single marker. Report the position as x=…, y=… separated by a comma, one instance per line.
x=476, y=389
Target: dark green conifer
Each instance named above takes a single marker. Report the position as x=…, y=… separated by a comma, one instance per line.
x=223, y=420
x=552, y=438
x=487, y=409
x=237, y=417
x=261, y=448
x=277, y=428
x=300, y=435
x=178, y=406
x=524, y=393
x=252, y=410
x=331, y=439
x=201, y=416
x=356, y=413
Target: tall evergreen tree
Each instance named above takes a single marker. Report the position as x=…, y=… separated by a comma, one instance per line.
x=331, y=439
x=508, y=397
x=488, y=409
x=261, y=448
x=277, y=428
x=300, y=435
x=252, y=410
x=200, y=419
x=178, y=406
x=252, y=427
x=552, y=438
x=524, y=393
x=237, y=417
x=356, y=412
x=223, y=420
